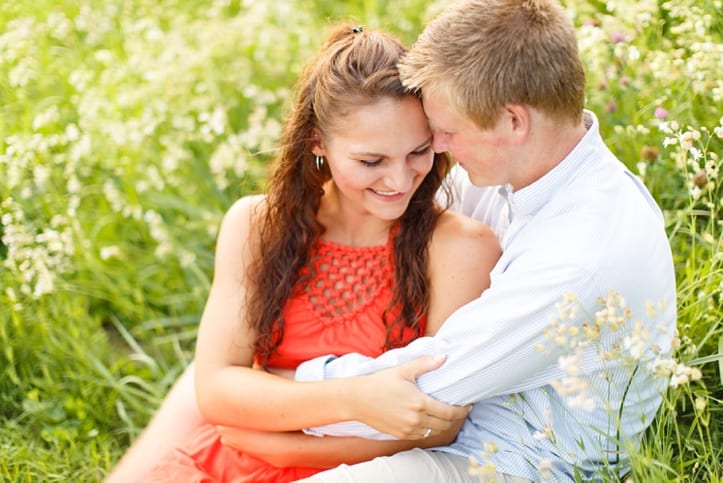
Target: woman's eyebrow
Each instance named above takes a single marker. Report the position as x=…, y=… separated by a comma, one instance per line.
x=426, y=141
x=381, y=155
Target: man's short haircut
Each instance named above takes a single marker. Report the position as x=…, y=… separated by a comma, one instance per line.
x=480, y=55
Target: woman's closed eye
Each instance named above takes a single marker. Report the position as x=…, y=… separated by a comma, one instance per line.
x=370, y=163
x=421, y=151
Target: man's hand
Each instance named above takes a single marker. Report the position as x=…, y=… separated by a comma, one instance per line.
x=390, y=402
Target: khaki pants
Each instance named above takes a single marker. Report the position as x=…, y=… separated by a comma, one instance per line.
x=413, y=466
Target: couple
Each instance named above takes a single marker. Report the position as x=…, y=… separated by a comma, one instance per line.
x=359, y=261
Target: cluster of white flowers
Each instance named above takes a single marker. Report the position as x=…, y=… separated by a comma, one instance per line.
x=37, y=256
x=643, y=53
x=149, y=98
x=575, y=388
x=485, y=472
x=683, y=374
x=631, y=346
x=159, y=232
x=692, y=156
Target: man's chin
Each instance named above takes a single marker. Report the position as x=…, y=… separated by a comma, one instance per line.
x=478, y=181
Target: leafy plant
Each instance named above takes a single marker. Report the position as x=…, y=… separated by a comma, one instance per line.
x=128, y=127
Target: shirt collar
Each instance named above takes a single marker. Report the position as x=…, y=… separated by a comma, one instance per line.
x=529, y=200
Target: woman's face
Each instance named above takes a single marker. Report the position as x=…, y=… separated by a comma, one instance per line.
x=378, y=156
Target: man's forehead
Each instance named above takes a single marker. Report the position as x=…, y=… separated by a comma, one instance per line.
x=432, y=105
x=439, y=114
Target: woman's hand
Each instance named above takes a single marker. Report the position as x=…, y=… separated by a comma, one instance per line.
x=390, y=402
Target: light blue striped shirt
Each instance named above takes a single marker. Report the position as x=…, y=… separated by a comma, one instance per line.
x=587, y=227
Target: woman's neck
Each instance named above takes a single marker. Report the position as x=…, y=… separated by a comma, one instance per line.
x=352, y=226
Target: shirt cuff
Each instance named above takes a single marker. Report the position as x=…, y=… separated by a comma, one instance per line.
x=314, y=369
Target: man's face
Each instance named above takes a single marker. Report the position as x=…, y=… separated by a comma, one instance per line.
x=482, y=153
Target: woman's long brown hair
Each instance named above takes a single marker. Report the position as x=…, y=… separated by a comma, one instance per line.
x=353, y=68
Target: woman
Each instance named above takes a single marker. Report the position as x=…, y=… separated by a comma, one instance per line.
x=347, y=252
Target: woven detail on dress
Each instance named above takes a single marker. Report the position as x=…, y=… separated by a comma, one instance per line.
x=341, y=281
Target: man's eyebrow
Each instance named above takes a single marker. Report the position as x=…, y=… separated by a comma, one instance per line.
x=433, y=126
x=438, y=128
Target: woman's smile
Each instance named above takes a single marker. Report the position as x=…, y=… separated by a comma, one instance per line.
x=387, y=195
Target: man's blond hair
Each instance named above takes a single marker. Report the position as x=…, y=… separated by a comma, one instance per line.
x=481, y=55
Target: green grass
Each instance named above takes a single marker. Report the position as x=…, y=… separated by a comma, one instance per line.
x=127, y=128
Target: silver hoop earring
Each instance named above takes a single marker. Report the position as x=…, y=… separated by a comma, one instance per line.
x=319, y=162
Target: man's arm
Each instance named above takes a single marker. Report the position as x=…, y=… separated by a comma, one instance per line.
x=489, y=344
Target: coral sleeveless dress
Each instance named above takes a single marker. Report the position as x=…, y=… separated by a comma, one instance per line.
x=337, y=309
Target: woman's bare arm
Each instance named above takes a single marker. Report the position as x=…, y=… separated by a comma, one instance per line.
x=284, y=449
x=228, y=390
x=462, y=255
x=231, y=393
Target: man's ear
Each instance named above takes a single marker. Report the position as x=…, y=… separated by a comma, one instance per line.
x=317, y=143
x=520, y=122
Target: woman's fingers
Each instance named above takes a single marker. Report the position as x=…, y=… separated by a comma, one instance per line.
x=430, y=425
x=443, y=411
x=434, y=416
x=391, y=402
x=413, y=369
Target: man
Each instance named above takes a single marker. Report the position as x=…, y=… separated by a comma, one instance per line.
x=503, y=87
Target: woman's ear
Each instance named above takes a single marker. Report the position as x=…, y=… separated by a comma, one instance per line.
x=317, y=143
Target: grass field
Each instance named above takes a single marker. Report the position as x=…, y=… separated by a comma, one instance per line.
x=127, y=127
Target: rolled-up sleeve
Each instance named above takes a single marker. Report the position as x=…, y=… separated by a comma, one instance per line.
x=489, y=344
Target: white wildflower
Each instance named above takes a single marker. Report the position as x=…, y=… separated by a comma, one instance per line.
x=570, y=364
x=490, y=447
x=109, y=252
x=545, y=468
x=546, y=433
x=695, y=153
x=582, y=401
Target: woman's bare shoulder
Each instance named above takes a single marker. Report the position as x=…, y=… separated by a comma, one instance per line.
x=455, y=231
x=462, y=247
x=239, y=231
x=462, y=254
x=245, y=214
x=244, y=209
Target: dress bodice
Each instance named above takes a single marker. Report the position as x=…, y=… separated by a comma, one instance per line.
x=340, y=305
